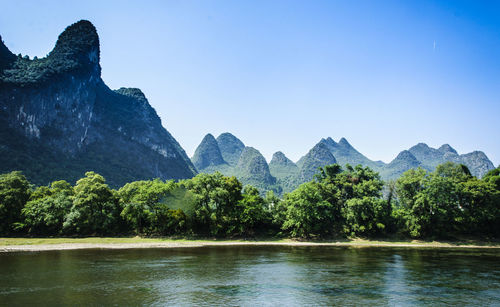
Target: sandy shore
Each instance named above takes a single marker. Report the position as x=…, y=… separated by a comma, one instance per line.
x=188, y=244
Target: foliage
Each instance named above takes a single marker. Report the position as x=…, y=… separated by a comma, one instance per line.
x=364, y=216
x=338, y=202
x=215, y=199
x=253, y=217
x=14, y=192
x=447, y=202
x=146, y=209
x=71, y=53
x=45, y=212
x=95, y=208
x=308, y=213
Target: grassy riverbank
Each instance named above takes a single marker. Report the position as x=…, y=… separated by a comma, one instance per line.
x=43, y=244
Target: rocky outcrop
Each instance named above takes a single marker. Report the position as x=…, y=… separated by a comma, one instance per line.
x=477, y=162
x=60, y=106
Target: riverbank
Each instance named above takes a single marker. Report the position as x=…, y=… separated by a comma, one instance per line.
x=48, y=244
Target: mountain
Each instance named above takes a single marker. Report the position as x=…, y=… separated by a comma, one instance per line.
x=419, y=155
x=6, y=57
x=317, y=157
x=429, y=157
x=404, y=161
x=447, y=149
x=285, y=171
x=229, y=156
x=58, y=119
x=230, y=147
x=477, y=162
x=281, y=166
x=207, y=153
x=344, y=153
x=283, y=175
x=252, y=169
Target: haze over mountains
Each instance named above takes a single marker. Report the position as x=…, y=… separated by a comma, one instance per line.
x=283, y=175
x=58, y=119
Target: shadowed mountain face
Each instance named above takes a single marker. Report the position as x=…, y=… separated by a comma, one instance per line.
x=6, y=57
x=58, y=119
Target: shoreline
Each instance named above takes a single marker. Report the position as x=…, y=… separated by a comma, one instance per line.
x=8, y=245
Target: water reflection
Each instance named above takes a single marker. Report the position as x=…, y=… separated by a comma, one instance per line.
x=252, y=276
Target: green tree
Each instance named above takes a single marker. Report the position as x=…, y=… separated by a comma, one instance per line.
x=432, y=204
x=252, y=215
x=493, y=177
x=413, y=212
x=307, y=212
x=277, y=211
x=143, y=205
x=356, y=195
x=44, y=213
x=215, y=203
x=14, y=193
x=365, y=216
x=480, y=202
x=95, y=208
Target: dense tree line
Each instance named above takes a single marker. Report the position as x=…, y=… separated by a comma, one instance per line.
x=339, y=202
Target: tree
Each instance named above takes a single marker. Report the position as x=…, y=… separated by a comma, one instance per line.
x=493, y=177
x=432, y=204
x=365, y=216
x=142, y=204
x=413, y=210
x=355, y=193
x=276, y=209
x=252, y=215
x=307, y=212
x=95, y=208
x=480, y=202
x=215, y=201
x=14, y=193
x=47, y=208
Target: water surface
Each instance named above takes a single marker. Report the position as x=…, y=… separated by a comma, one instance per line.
x=250, y=276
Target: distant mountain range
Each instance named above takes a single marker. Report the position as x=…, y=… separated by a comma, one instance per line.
x=58, y=119
x=228, y=155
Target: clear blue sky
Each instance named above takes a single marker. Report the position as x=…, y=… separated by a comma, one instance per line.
x=281, y=75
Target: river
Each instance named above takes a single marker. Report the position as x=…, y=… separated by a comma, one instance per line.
x=252, y=276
